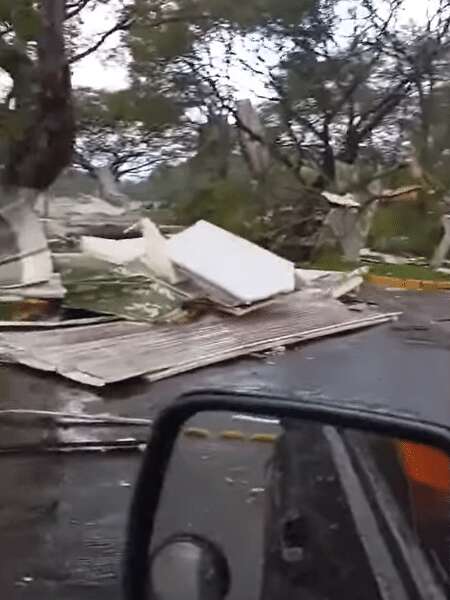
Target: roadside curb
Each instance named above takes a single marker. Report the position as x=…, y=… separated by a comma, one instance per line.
x=421, y=285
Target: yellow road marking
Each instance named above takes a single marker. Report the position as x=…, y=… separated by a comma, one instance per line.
x=196, y=432
x=266, y=438
x=232, y=435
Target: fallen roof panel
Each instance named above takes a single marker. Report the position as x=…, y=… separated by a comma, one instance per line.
x=110, y=352
x=243, y=270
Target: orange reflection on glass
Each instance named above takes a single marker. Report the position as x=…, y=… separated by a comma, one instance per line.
x=425, y=465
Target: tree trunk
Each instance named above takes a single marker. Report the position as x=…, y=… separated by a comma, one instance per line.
x=39, y=132
x=255, y=152
x=443, y=250
x=351, y=228
x=108, y=189
x=39, y=144
x=24, y=254
x=354, y=238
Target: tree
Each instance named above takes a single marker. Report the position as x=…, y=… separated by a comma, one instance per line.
x=342, y=104
x=37, y=122
x=336, y=91
x=129, y=133
x=437, y=159
x=39, y=42
x=120, y=136
x=429, y=126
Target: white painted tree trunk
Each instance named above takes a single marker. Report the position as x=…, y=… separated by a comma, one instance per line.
x=108, y=189
x=256, y=152
x=443, y=250
x=24, y=254
x=350, y=227
x=347, y=226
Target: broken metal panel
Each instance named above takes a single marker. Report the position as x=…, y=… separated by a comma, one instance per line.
x=370, y=256
x=409, y=193
x=149, y=253
x=348, y=200
x=213, y=304
x=66, y=218
x=52, y=324
x=50, y=290
x=288, y=339
x=155, y=257
x=97, y=286
x=24, y=255
x=130, y=297
x=116, y=252
x=332, y=283
x=107, y=353
x=243, y=271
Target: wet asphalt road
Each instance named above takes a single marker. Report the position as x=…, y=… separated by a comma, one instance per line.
x=62, y=517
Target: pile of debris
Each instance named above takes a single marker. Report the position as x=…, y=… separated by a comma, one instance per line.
x=104, y=353
x=152, y=278
x=66, y=218
x=154, y=306
x=371, y=257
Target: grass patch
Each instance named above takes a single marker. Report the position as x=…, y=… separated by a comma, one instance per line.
x=406, y=229
x=409, y=272
x=333, y=262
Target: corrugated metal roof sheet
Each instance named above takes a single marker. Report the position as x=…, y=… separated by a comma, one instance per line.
x=111, y=352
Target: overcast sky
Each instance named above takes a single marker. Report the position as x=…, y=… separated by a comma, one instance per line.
x=100, y=71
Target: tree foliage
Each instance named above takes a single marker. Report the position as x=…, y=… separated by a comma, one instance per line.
x=343, y=79
x=342, y=86
x=36, y=120
x=337, y=82
x=119, y=131
x=38, y=43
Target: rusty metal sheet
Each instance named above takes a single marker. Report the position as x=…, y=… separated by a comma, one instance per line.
x=110, y=352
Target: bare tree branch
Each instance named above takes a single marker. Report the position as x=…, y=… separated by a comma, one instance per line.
x=137, y=168
x=80, y=159
x=74, y=8
x=125, y=22
x=122, y=25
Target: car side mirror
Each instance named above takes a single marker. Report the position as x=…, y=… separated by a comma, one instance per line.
x=320, y=476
